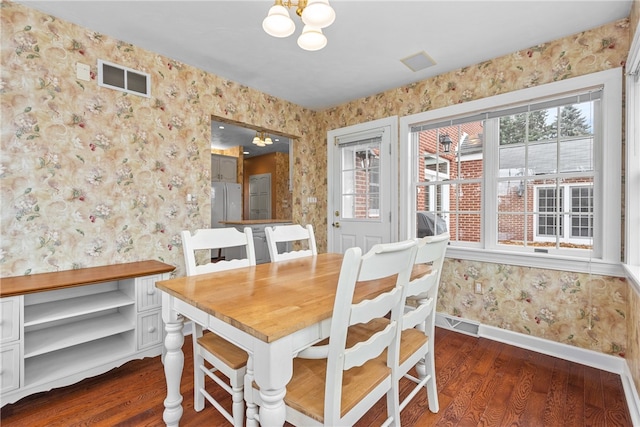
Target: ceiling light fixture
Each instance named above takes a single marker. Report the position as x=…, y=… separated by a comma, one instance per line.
x=315, y=14
x=261, y=139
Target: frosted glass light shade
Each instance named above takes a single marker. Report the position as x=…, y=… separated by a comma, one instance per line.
x=256, y=140
x=268, y=140
x=312, y=38
x=278, y=23
x=318, y=13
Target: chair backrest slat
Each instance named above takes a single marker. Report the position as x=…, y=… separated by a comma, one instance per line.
x=217, y=238
x=287, y=234
x=424, y=289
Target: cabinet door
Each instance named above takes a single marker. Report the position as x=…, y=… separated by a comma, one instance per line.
x=149, y=329
x=224, y=168
x=9, y=367
x=228, y=169
x=9, y=319
x=148, y=296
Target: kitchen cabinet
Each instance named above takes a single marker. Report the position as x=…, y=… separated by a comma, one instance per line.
x=224, y=168
x=59, y=328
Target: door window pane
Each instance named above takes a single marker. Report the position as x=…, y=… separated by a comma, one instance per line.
x=361, y=179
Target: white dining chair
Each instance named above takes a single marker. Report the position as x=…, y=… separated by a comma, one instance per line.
x=222, y=355
x=337, y=383
x=418, y=324
x=290, y=234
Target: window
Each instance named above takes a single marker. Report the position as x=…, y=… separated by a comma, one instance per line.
x=556, y=210
x=361, y=179
x=528, y=174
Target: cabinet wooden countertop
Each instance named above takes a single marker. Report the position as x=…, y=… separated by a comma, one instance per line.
x=257, y=221
x=20, y=285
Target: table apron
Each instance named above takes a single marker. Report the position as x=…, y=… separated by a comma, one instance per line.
x=297, y=341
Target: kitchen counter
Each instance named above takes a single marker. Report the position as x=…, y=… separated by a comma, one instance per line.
x=257, y=221
x=259, y=238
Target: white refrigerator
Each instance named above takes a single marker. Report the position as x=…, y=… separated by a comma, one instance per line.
x=226, y=203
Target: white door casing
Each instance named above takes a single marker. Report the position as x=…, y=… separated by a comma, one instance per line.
x=363, y=185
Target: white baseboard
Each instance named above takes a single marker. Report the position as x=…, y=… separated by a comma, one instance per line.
x=631, y=393
x=605, y=362
x=583, y=356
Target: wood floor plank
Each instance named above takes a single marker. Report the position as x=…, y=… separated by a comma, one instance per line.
x=615, y=405
x=574, y=407
x=489, y=389
x=537, y=400
x=488, y=368
x=507, y=378
x=557, y=395
x=517, y=403
x=593, y=398
x=450, y=369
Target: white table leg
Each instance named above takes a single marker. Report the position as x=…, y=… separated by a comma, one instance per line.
x=173, y=363
x=273, y=367
x=248, y=395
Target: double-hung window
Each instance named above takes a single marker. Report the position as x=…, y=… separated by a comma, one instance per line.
x=531, y=177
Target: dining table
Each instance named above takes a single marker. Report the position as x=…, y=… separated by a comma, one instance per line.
x=271, y=310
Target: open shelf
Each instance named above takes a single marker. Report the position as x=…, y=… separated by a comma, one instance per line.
x=58, y=337
x=63, y=309
x=52, y=366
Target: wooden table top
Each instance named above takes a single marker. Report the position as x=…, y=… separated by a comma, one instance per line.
x=19, y=285
x=272, y=300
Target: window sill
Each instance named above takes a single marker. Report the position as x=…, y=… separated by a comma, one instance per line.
x=550, y=262
x=633, y=275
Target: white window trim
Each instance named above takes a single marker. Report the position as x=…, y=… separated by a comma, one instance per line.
x=609, y=153
x=632, y=189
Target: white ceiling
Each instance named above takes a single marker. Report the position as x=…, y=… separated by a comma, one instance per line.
x=365, y=43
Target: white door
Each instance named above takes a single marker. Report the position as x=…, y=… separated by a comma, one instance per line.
x=362, y=182
x=260, y=196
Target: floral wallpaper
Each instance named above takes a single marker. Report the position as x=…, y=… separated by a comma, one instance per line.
x=91, y=176
x=572, y=308
x=283, y=195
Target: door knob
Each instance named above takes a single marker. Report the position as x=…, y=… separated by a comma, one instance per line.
x=336, y=224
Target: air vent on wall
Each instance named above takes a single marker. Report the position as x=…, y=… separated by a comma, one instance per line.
x=122, y=78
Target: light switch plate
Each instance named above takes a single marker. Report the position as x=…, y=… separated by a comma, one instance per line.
x=83, y=71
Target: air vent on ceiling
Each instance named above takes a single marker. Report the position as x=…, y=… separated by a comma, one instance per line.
x=418, y=61
x=122, y=78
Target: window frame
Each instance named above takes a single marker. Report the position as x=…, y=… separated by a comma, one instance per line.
x=607, y=230
x=632, y=193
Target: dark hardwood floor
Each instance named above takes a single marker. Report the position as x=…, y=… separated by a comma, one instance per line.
x=480, y=383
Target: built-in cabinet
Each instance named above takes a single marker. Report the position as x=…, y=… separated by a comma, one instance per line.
x=59, y=328
x=224, y=168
